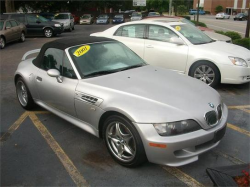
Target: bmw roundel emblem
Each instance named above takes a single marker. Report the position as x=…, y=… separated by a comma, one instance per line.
x=211, y=105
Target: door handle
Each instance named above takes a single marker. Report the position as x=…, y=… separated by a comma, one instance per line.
x=149, y=46
x=39, y=79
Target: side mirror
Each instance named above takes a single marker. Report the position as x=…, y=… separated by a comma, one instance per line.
x=55, y=73
x=7, y=28
x=38, y=21
x=177, y=41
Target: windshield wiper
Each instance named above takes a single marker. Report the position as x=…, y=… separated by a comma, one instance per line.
x=131, y=67
x=100, y=73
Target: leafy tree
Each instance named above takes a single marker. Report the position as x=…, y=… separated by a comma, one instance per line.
x=181, y=10
x=219, y=9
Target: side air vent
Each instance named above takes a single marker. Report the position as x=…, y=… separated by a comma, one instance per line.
x=88, y=98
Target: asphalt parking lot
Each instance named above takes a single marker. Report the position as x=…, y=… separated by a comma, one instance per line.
x=40, y=149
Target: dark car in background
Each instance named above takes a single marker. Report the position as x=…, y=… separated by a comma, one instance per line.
x=11, y=30
x=49, y=16
x=241, y=17
x=86, y=19
x=153, y=14
x=37, y=25
x=119, y=18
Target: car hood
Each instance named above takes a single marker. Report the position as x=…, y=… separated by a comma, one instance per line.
x=85, y=19
x=229, y=49
x=160, y=95
x=216, y=36
x=62, y=20
x=102, y=19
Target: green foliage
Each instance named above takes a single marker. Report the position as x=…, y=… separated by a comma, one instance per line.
x=187, y=17
x=245, y=42
x=158, y=5
x=201, y=24
x=231, y=34
x=219, y=9
x=181, y=10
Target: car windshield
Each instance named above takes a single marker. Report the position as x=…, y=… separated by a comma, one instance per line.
x=119, y=16
x=104, y=58
x=136, y=14
x=85, y=16
x=1, y=25
x=239, y=15
x=61, y=16
x=194, y=35
x=103, y=16
x=153, y=14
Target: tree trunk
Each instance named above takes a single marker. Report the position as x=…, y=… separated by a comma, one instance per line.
x=9, y=6
x=248, y=25
x=198, y=12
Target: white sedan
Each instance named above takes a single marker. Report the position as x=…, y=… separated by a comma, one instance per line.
x=222, y=15
x=185, y=49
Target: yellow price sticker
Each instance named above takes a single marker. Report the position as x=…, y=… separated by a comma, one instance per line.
x=82, y=50
x=178, y=28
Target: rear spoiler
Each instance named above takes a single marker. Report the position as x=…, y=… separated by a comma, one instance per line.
x=29, y=53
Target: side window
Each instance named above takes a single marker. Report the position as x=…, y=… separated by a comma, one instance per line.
x=160, y=33
x=8, y=24
x=13, y=23
x=52, y=59
x=31, y=18
x=67, y=70
x=19, y=18
x=131, y=31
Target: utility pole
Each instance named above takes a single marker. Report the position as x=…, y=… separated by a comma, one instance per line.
x=9, y=6
x=198, y=12
x=248, y=23
x=170, y=8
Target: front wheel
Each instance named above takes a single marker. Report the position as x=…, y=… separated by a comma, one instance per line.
x=2, y=43
x=48, y=32
x=206, y=72
x=123, y=141
x=23, y=94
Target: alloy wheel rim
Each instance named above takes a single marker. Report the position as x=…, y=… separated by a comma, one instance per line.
x=121, y=141
x=2, y=43
x=22, y=93
x=48, y=33
x=205, y=74
x=22, y=37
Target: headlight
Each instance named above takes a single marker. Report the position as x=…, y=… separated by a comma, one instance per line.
x=238, y=61
x=176, y=128
x=57, y=25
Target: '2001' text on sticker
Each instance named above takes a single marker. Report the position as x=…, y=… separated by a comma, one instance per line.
x=82, y=50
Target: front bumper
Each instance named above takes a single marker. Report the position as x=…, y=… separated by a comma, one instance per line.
x=82, y=22
x=182, y=149
x=117, y=21
x=102, y=22
x=58, y=30
x=231, y=74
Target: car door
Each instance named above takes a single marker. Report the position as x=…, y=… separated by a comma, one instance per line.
x=15, y=29
x=9, y=32
x=132, y=36
x=160, y=51
x=72, y=21
x=34, y=25
x=54, y=93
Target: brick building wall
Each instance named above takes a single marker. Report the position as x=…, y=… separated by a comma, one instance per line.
x=210, y=5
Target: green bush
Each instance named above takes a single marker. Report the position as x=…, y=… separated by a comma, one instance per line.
x=219, y=9
x=231, y=34
x=245, y=42
x=187, y=17
x=181, y=10
x=201, y=24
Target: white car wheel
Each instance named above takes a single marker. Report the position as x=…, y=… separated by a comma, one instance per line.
x=2, y=43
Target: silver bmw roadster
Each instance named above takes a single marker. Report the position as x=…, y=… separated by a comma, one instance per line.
x=142, y=112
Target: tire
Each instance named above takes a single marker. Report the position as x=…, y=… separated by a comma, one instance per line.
x=2, y=42
x=128, y=140
x=73, y=28
x=206, y=72
x=23, y=94
x=22, y=37
x=48, y=32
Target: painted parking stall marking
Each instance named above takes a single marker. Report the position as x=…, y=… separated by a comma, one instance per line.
x=65, y=160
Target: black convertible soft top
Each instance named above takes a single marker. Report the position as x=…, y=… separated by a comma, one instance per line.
x=66, y=43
